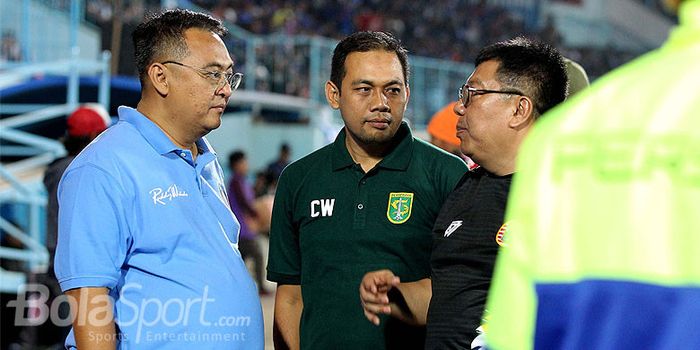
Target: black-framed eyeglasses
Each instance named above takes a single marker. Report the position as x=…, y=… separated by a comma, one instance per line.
x=219, y=78
x=470, y=91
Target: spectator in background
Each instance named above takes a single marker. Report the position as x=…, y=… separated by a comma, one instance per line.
x=10, y=50
x=83, y=126
x=275, y=168
x=578, y=79
x=264, y=183
x=242, y=201
x=603, y=253
x=264, y=189
x=442, y=129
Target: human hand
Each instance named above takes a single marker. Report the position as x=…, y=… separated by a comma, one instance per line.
x=374, y=290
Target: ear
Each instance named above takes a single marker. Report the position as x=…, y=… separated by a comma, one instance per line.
x=524, y=113
x=408, y=94
x=158, y=78
x=332, y=95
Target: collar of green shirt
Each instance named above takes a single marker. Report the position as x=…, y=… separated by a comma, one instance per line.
x=397, y=159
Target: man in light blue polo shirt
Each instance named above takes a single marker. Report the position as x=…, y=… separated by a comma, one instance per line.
x=148, y=246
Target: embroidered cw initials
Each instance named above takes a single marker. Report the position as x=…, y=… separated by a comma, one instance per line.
x=326, y=207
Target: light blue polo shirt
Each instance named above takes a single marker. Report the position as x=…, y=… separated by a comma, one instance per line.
x=138, y=216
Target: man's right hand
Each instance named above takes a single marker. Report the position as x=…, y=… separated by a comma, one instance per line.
x=288, y=308
x=374, y=290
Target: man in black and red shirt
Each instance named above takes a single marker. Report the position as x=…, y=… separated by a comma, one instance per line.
x=513, y=84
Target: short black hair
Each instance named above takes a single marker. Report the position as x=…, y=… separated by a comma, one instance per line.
x=365, y=42
x=533, y=67
x=235, y=157
x=161, y=36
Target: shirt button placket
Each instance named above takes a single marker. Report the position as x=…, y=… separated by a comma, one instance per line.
x=360, y=214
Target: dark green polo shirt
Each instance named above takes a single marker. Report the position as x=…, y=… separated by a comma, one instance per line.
x=332, y=223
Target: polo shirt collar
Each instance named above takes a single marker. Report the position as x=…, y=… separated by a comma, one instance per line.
x=154, y=135
x=397, y=159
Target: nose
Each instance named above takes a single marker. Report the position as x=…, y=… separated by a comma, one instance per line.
x=380, y=102
x=459, y=109
x=224, y=91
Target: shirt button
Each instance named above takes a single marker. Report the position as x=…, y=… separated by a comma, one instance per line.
x=360, y=206
x=183, y=155
x=363, y=182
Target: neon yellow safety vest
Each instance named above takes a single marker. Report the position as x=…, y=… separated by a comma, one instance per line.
x=602, y=251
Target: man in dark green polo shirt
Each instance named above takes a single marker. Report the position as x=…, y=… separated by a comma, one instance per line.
x=364, y=202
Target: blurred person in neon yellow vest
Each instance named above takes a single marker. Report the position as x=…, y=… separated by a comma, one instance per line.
x=601, y=252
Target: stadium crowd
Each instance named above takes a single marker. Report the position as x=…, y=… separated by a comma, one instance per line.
x=427, y=28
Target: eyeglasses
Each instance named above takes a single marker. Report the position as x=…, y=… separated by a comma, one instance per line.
x=466, y=97
x=219, y=78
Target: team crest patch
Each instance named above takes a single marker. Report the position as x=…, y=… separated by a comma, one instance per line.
x=501, y=235
x=399, y=209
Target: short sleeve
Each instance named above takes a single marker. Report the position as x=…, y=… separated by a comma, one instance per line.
x=451, y=170
x=284, y=265
x=93, y=236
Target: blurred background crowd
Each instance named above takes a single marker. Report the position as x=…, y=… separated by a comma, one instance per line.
x=446, y=29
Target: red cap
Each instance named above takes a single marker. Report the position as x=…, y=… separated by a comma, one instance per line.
x=88, y=119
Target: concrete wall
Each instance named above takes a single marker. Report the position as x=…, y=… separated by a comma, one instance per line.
x=261, y=141
x=618, y=23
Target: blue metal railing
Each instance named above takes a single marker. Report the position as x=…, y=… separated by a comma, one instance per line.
x=22, y=196
x=20, y=180
x=45, y=30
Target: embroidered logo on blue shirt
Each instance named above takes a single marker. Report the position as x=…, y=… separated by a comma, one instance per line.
x=159, y=196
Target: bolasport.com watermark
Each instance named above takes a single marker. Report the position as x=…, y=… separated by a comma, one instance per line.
x=147, y=319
